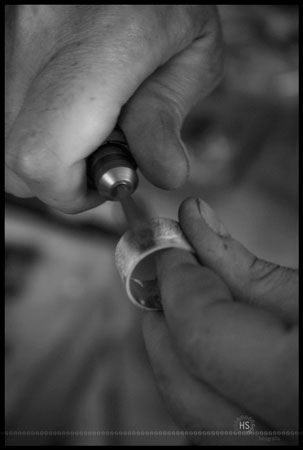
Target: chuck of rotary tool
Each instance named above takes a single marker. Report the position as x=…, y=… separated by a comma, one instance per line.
x=111, y=169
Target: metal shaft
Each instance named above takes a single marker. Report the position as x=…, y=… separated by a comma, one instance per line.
x=135, y=215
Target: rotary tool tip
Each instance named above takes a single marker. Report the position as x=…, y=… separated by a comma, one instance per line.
x=121, y=191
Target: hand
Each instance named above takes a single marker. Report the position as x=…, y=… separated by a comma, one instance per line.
x=73, y=70
x=226, y=345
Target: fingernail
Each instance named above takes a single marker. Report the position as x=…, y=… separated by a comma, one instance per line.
x=211, y=219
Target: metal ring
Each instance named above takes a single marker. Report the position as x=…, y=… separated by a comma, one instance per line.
x=135, y=259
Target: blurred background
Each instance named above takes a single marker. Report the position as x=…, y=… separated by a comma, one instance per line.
x=75, y=364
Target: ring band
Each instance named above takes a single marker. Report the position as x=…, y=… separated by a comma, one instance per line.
x=136, y=262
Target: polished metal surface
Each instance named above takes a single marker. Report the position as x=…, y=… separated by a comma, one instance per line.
x=135, y=258
x=110, y=180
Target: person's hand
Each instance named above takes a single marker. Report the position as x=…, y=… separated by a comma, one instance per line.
x=226, y=345
x=72, y=69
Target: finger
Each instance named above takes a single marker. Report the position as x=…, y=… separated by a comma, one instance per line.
x=249, y=278
x=194, y=404
x=153, y=117
x=74, y=102
x=15, y=186
x=242, y=351
x=60, y=186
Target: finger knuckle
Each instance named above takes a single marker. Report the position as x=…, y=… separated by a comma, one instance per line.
x=29, y=165
x=33, y=162
x=259, y=269
x=264, y=273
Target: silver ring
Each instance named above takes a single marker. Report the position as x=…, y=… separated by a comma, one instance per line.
x=136, y=262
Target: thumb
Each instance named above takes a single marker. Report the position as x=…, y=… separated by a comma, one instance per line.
x=249, y=278
x=152, y=119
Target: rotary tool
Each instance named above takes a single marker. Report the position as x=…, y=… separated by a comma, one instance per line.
x=111, y=169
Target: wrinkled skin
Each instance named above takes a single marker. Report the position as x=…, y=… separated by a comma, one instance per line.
x=73, y=70
x=227, y=343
